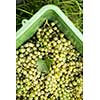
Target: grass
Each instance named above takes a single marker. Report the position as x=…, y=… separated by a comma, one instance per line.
x=72, y=8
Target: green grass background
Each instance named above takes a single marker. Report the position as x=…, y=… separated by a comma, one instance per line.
x=72, y=8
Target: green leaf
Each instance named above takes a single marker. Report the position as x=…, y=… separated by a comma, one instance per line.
x=44, y=65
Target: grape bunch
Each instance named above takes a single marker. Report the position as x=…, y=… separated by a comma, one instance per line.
x=62, y=80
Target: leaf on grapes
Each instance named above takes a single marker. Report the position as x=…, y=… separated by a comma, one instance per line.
x=44, y=65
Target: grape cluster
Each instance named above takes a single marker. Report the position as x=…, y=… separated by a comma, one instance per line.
x=65, y=78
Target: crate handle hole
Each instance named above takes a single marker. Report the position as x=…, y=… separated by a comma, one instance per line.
x=24, y=21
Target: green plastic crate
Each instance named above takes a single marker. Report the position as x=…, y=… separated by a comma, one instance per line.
x=52, y=13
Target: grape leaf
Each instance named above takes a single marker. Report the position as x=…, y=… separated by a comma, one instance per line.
x=44, y=65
